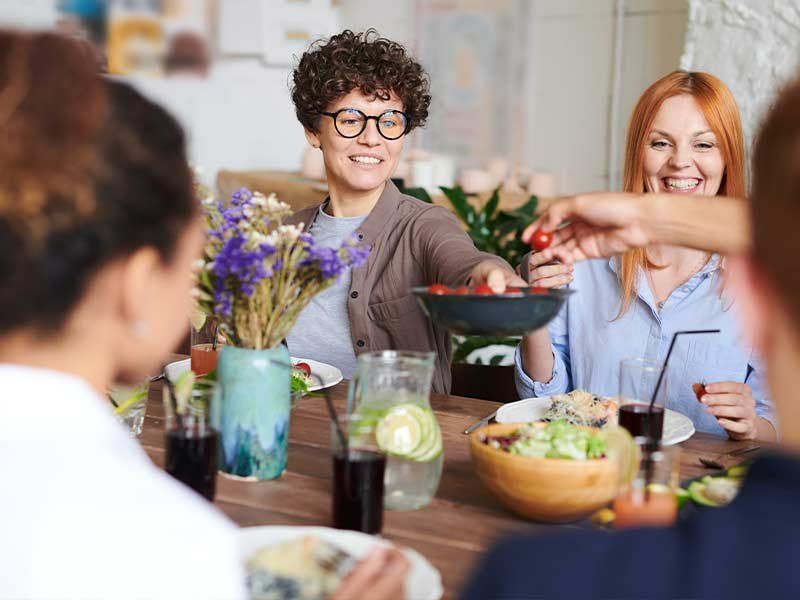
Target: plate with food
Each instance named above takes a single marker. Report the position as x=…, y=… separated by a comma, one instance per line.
x=310, y=562
x=301, y=378
x=479, y=311
x=589, y=410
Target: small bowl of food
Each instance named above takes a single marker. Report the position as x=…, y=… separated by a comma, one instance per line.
x=552, y=472
x=479, y=311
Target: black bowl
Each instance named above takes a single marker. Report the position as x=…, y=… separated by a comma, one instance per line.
x=515, y=313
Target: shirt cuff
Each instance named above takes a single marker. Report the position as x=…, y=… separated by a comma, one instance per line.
x=769, y=415
x=527, y=387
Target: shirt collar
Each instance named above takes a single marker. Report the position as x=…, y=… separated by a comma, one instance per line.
x=380, y=216
x=715, y=263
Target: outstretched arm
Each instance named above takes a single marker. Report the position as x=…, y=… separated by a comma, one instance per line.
x=605, y=224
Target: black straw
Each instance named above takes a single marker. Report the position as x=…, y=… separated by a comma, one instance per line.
x=666, y=360
x=216, y=333
x=173, y=398
x=652, y=443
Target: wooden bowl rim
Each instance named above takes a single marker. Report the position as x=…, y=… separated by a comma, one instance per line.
x=515, y=459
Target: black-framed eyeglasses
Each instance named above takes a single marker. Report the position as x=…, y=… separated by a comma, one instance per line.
x=351, y=122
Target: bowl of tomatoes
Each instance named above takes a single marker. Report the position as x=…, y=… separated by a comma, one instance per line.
x=479, y=311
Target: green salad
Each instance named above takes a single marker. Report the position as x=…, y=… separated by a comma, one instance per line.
x=555, y=440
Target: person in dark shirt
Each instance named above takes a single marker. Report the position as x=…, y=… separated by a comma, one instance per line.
x=750, y=548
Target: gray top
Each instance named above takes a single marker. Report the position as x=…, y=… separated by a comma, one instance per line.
x=322, y=331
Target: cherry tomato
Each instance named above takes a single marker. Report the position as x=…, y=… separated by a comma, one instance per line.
x=304, y=367
x=462, y=291
x=484, y=290
x=699, y=390
x=541, y=240
x=439, y=290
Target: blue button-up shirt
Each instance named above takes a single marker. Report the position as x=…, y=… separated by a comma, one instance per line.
x=589, y=342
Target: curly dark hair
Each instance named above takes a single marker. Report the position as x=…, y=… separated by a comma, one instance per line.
x=332, y=68
x=90, y=171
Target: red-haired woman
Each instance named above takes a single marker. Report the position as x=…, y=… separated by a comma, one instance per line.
x=685, y=138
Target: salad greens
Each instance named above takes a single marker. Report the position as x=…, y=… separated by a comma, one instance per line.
x=556, y=440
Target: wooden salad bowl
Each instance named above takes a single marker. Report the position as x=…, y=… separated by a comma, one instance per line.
x=554, y=490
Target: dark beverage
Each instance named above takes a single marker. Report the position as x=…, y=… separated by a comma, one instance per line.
x=358, y=490
x=635, y=418
x=192, y=459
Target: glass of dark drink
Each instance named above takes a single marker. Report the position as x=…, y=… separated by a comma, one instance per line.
x=638, y=378
x=358, y=470
x=192, y=445
x=192, y=456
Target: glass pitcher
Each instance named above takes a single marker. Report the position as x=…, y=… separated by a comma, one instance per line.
x=390, y=391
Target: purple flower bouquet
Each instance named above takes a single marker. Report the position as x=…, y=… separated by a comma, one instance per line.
x=258, y=274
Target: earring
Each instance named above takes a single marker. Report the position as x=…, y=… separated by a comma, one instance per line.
x=139, y=329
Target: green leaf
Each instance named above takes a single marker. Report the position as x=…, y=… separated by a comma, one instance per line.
x=419, y=193
x=530, y=206
x=491, y=205
x=496, y=360
x=458, y=199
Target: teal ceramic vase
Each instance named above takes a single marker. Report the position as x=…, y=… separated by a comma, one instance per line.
x=252, y=415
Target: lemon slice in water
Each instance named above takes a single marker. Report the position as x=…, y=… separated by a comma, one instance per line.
x=403, y=429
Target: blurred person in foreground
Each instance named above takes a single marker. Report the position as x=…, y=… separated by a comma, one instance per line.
x=357, y=96
x=748, y=549
x=98, y=234
x=685, y=139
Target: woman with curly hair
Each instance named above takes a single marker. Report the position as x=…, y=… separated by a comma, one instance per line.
x=357, y=95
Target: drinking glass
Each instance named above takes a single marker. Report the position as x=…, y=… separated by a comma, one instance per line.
x=638, y=378
x=639, y=504
x=130, y=404
x=392, y=389
x=358, y=472
x=192, y=445
x=205, y=344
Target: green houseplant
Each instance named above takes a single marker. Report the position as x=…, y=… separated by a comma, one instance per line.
x=492, y=230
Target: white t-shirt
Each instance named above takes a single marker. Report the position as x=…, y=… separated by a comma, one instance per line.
x=85, y=514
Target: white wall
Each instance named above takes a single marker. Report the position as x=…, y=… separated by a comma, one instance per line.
x=570, y=75
x=752, y=45
x=241, y=117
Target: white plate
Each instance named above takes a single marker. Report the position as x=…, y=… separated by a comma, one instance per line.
x=329, y=374
x=677, y=427
x=423, y=583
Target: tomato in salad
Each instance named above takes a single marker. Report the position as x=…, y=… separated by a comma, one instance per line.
x=304, y=367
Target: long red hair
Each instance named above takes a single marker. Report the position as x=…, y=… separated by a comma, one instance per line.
x=722, y=114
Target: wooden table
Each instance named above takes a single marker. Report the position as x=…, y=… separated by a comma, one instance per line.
x=452, y=532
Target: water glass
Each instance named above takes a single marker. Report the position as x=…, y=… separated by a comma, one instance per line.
x=638, y=378
x=393, y=389
x=130, y=404
x=358, y=471
x=639, y=504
